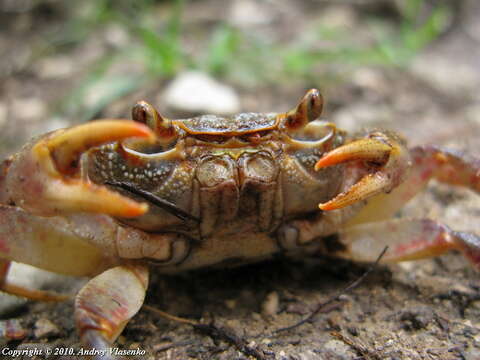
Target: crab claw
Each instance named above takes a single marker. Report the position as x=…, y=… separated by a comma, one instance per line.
x=383, y=153
x=67, y=146
x=364, y=149
x=48, y=172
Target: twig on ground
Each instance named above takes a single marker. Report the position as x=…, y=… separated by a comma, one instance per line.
x=215, y=332
x=361, y=349
x=321, y=307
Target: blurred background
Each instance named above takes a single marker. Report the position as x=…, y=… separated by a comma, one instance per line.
x=408, y=65
x=376, y=61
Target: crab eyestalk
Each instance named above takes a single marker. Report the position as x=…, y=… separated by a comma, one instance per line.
x=145, y=113
x=309, y=108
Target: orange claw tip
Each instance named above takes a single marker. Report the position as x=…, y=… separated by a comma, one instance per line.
x=113, y=129
x=78, y=196
x=330, y=205
x=140, y=130
x=118, y=205
x=365, y=188
x=329, y=159
x=337, y=156
x=133, y=211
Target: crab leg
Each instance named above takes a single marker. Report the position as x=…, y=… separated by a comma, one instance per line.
x=407, y=239
x=448, y=166
x=106, y=303
x=21, y=291
x=44, y=177
x=77, y=245
x=47, y=244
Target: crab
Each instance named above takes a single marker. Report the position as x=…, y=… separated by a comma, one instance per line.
x=115, y=199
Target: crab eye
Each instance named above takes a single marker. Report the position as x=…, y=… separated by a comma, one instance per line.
x=145, y=113
x=309, y=108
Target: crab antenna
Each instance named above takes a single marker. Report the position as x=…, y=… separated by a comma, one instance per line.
x=308, y=109
x=145, y=113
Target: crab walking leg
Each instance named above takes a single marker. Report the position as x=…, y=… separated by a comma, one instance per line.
x=407, y=239
x=81, y=244
x=106, y=303
x=448, y=166
x=77, y=245
x=43, y=178
x=21, y=291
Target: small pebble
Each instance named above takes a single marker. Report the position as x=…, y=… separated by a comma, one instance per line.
x=44, y=328
x=196, y=92
x=271, y=304
x=231, y=304
x=256, y=316
x=29, y=108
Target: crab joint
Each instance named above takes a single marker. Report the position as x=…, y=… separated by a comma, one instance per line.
x=309, y=109
x=145, y=113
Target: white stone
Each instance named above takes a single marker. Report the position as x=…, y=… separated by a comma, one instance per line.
x=196, y=92
x=56, y=67
x=116, y=35
x=29, y=108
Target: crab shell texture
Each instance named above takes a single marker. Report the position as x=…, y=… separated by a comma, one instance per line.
x=231, y=181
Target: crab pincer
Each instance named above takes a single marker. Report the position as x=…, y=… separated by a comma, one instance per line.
x=48, y=169
x=385, y=165
x=383, y=156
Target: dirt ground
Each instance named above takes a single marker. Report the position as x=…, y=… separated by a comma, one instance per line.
x=428, y=309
